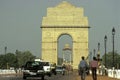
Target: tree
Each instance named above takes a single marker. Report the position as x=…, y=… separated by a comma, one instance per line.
x=10, y=60
x=109, y=60
x=2, y=61
x=7, y=60
x=23, y=57
x=15, y=60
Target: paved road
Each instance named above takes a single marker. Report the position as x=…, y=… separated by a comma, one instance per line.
x=70, y=76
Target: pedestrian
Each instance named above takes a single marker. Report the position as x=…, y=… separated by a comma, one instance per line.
x=94, y=66
x=82, y=68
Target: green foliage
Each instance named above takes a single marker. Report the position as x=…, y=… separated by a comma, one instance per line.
x=2, y=61
x=10, y=59
x=23, y=57
x=15, y=60
x=109, y=60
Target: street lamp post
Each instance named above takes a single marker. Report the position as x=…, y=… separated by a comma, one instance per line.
x=98, y=55
x=105, y=39
x=98, y=47
x=113, y=33
x=90, y=56
x=6, y=57
x=94, y=52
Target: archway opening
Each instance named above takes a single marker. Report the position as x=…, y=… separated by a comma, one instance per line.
x=65, y=46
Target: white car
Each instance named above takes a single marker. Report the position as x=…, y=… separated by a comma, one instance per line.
x=47, y=68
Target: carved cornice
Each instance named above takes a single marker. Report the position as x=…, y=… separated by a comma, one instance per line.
x=65, y=27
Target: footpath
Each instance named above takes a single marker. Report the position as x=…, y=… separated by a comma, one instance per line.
x=70, y=76
x=99, y=77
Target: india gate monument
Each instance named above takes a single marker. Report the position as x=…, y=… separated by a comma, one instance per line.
x=62, y=19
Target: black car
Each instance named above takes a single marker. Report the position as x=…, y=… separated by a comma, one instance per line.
x=33, y=69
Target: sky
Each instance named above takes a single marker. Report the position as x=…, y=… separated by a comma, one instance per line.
x=20, y=22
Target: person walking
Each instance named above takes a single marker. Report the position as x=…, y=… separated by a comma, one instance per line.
x=94, y=66
x=82, y=68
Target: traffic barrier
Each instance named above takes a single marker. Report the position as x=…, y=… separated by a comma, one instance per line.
x=6, y=71
x=114, y=73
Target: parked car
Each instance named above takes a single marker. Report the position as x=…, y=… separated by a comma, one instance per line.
x=60, y=70
x=33, y=69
